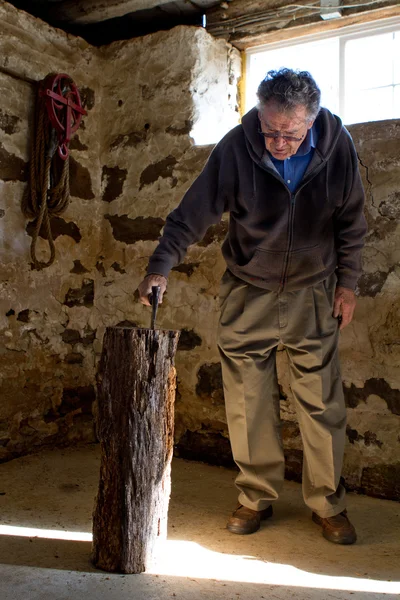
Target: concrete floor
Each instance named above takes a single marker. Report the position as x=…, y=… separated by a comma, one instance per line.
x=286, y=559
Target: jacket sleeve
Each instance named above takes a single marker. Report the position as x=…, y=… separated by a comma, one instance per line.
x=350, y=224
x=202, y=205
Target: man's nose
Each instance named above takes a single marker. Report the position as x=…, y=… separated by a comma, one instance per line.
x=279, y=142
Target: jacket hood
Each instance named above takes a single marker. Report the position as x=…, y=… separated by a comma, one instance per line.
x=329, y=129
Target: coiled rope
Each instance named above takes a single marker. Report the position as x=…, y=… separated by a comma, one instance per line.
x=47, y=193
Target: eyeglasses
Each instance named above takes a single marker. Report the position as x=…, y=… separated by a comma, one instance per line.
x=276, y=135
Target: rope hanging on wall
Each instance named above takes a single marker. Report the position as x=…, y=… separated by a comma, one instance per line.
x=58, y=113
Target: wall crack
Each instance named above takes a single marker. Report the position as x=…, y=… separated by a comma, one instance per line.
x=369, y=190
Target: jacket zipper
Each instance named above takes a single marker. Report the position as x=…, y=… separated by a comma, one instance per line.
x=290, y=239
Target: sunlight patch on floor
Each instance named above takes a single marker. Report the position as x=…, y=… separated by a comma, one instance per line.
x=51, y=534
x=189, y=559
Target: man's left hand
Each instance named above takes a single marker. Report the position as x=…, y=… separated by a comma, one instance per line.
x=344, y=305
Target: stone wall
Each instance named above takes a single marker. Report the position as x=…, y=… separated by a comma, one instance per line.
x=370, y=347
x=47, y=362
x=131, y=161
x=148, y=100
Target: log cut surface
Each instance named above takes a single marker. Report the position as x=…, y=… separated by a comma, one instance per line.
x=135, y=421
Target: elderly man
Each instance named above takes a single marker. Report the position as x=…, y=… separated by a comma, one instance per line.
x=288, y=176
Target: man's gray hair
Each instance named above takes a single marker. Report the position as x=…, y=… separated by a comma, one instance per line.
x=288, y=89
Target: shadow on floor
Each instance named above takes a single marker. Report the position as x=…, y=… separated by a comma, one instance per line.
x=46, y=553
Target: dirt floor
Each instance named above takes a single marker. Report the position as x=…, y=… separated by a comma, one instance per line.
x=51, y=495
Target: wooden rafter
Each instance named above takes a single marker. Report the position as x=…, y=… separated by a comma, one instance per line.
x=246, y=23
x=93, y=11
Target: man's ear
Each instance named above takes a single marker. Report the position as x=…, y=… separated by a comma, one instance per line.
x=310, y=124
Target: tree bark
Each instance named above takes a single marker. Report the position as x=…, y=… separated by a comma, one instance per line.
x=135, y=421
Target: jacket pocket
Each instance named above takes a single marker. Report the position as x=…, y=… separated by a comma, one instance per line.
x=266, y=264
x=305, y=263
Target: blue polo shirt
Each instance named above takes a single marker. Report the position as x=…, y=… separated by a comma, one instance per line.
x=292, y=169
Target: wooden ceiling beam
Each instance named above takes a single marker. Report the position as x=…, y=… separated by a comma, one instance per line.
x=248, y=23
x=92, y=11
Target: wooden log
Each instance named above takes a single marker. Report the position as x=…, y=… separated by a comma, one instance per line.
x=135, y=421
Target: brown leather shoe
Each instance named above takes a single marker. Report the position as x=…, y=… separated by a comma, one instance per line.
x=337, y=529
x=245, y=520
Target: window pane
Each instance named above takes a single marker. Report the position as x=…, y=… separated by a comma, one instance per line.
x=396, y=51
x=369, y=61
x=369, y=105
x=370, y=75
x=396, y=101
x=311, y=56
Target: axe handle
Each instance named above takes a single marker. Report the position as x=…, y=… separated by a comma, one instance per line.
x=154, y=298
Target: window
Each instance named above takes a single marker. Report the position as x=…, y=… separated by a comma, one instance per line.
x=358, y=72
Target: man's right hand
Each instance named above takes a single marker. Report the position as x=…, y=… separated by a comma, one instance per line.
x=144, y=288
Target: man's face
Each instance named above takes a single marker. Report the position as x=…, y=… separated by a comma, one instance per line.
x=289, y=128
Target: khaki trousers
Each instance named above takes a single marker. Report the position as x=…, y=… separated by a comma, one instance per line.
x=253, y=322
